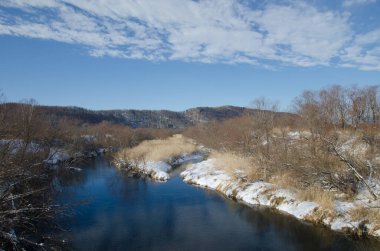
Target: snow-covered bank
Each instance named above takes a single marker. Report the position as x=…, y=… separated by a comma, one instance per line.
x=159, y=170
x=205, y=174
x=60, y=155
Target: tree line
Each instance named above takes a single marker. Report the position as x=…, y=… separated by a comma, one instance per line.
x=332, y=142
x=28, y=136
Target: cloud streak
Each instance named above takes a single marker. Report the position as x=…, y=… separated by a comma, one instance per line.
x=208, y=31
x=351, y=3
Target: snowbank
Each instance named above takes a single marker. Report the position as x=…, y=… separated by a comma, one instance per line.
x=188, y=158
x=159, y=170
x=205, y=174
x=56, y=156
x=59, y=155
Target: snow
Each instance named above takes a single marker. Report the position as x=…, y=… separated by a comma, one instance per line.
x=257, y=193
x=343, y=206
x=88, y=138
x=294, y=135
x=73, y=168
x=56, y=156
x=187, y=158
x=205, y=174
x=354, y=147
x=159, y=170
x=340, y=223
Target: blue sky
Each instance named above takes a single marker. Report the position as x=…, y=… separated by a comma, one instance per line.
x=170, y=54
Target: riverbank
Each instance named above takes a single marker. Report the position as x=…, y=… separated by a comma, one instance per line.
x=239, y=178
x=156, y=158
x=60, y=155
x=111, y=211
x=206, y=174
x=158, y=170
x=344, y=215
x=340, y=218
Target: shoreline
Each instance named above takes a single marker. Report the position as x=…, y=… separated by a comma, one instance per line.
x=260, y=193
x=203, y=173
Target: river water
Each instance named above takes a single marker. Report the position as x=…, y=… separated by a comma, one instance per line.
x=107, y=210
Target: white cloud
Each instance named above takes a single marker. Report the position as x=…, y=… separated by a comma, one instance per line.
x=30, y=3
x=364, y=52
x=351, y=3
x=209, y=31
x=303, y=33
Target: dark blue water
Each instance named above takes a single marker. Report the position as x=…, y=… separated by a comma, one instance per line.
x=110, y=211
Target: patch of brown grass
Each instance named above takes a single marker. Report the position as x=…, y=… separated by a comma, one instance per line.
x=235, y=164
x=158, y=150
x=276, y=201
x=285, y=179
x=325, y=199
x=368, y=215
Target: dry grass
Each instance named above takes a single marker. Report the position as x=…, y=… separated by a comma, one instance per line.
x=324, y=198
x=370, y=215
x=277, y=131
x=234, y=164
x=159, y=149
x=285, y=179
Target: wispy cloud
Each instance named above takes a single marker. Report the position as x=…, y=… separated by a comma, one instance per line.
x=364, y=52
x=209, y=31
x=350, y=3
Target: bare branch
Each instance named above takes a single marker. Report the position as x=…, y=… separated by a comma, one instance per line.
x=350, y=166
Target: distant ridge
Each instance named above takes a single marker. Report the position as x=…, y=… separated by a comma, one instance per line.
x=151, y=118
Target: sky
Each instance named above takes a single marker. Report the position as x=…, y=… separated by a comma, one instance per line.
x=178, y=54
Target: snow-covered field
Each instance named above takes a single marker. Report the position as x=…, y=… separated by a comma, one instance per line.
x=205, y=174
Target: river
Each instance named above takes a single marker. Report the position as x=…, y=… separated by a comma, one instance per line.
x=107, y=210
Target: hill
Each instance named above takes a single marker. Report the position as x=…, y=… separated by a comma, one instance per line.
x=151, y=118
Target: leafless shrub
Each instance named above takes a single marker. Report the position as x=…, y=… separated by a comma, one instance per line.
x=293, y=151
x=24, y=180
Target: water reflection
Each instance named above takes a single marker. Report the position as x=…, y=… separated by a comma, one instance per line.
x=135, y=214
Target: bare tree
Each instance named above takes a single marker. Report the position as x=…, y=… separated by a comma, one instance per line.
x=308, y=107
x=372, y=93
x=334, y=105
x=4, y=123
x=351, y=165
x=358, y=103
x=24, y=182
x=263, y=124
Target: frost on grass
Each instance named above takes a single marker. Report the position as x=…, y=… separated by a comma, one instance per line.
x=156, y=158
x=337, y=214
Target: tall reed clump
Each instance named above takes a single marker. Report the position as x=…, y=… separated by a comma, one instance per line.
x=367, y=215
x=325, y=199
x=156, y=150
x=236, y=165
